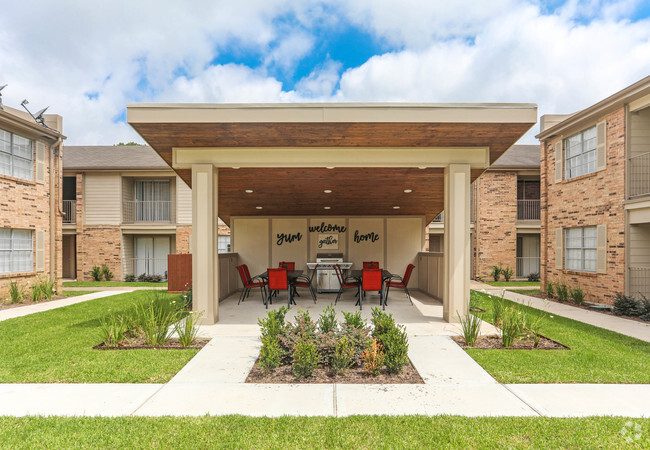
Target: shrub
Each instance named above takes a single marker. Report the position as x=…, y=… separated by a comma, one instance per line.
x=187, y=328
x=186, y=296
x=550, y=289
x=626, y=305
x=129, y=278
x=532, y=326
x=533, y=276
x=43, y=288
x=154, y=319
x=96, y=273
x=395, y=344
x=507, y=273
x=327, y=320
x=498, y=305
x=270, y=353
x=343, y=357
x=273, y=324
x=382, y=321
x=16, y=292
x=305, y=358
x=359, y=338
x=113, y=330
x=107, y=273
x=562, y=291
x=373, y=357
x=644, y=313
x=496, y=272
x=354, y=319
x=471, y=327
x=512, y=325
x=577, y=295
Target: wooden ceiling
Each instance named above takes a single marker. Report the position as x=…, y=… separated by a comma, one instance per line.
x=355, y=191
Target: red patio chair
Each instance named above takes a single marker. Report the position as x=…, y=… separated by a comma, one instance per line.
x=248, y=283
x=370, y=265
x=401, y=282
x=306, y=282
x=278, y=281
x=345, y=283
x=372, y=281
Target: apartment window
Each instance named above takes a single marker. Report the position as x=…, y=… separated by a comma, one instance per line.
x=580, y=154
x=16, y=156
x=152, y=201
x=223, y=244
x=16, y=251
x=580, y=244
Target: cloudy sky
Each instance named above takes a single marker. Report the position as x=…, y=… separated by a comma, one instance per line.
x=89, y=59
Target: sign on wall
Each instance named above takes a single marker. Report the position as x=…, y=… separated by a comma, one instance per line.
x=328, y=241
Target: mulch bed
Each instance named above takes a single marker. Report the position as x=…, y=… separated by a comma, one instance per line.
x=323, y=375
x=139, y=343
x=494, y=342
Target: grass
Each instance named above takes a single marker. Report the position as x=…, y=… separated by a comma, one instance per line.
x=509, y=283
x=525, y=291
x=319, y=432
x=76, y=293
x=112, y=284
x=596, y=356
x=56, y=347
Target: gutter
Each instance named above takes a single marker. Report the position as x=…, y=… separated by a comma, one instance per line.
x=53, y=204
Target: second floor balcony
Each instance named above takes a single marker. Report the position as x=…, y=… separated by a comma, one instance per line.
x=528, y=209
x=70, y=211
x=639, y=175
x=145, y=211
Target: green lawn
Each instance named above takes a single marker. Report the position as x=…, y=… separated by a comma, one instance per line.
x=56, y=347
x=76, y=293
x=525, y=291
x=509, y=283
x=319, y=432
x=112, y=284
x=596, y=356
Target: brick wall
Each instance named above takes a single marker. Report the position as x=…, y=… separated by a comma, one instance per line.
x=97, y=245
x=592, y=199
x=183, y=233
x=26, y=205
x=495, y=227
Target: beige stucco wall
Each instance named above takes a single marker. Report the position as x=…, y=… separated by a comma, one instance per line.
x=295, y=250
x=251, y=241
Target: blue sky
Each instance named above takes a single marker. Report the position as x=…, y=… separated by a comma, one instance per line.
x=88, y=60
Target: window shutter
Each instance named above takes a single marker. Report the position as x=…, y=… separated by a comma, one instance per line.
x=601, y=145
x=601, y=249
x=559, y=248
x=40, y=251
x=558, y=161
x=40, y=162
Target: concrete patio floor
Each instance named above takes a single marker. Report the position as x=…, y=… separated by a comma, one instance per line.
x=213, y=381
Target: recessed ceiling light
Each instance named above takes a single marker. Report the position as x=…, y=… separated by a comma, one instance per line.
x=258, y=207
x=328, y=191
x=327, y=207
x=329, y=167
x=249, y=191
x=235, y=168
x=395, y=207
x=408, y=191
x=422, y=167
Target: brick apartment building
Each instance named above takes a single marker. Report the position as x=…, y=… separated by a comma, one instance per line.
x=505, y=215
x=595, y=192
x=124, y=207
x=30, y=193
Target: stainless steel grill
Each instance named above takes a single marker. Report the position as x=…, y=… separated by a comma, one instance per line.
x=326, y=280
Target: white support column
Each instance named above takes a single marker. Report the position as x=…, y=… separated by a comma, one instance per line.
x=205, y=260
x=457, y=242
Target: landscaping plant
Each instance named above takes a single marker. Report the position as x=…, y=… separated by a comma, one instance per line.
x=270, y=354
x=43, y=288
x=498, y=304
x=305, y=358
x=107, y=273
x=113, y=330
x=471, y=327
x=129, y=278
x=16, y=292
x=511, y=325
x=354, y=319
x=187, y=328
x=186, y=296
x=343, y=357
x=327, y=320
x=496, y=272
x=154, y=319
x=644, y=313
x=626, y=305
x=550, y=289
x=395, y=344
x=373, y=358
x=382, y=321
x=577, y=295
x=533, y=276
x=507, y=273
x=562, y=291
x=96, y=273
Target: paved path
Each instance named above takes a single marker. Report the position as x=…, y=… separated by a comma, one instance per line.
x=620, y=325
x=21, y=311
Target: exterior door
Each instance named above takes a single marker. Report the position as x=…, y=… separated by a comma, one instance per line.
x=151, y=255
x=527, y=255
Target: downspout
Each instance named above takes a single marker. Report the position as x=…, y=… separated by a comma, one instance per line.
x=53, y=205
x=476, y=206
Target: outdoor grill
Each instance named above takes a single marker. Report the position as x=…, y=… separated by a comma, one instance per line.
x=326, y=280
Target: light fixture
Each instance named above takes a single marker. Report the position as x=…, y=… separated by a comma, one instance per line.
x=408, y=191
x=235, y=168
x=249, y=191
x=395, y=207
x=422, y=167
x=328, y=191
x=327, y=207
x=329, y=167
x=258, y=207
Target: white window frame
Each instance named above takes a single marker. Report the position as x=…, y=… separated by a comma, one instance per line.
x=220, y=247
x=10, y=252
x=580, y=154
x=576, y=242
x=11, y=152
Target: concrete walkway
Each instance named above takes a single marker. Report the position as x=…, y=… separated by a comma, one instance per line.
x=632, y=328
x=21, y=311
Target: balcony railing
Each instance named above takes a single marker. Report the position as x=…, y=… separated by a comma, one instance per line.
x=147, y=266
x=527, y=265
x=639, y=175
x=528, y=209
x=147, y=211
x=640, y=281
x=69, y=211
